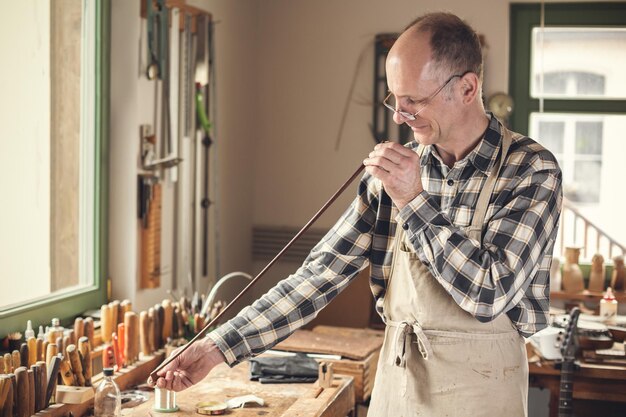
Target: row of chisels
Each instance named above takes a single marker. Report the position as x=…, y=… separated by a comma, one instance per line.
x=126, y=334
x=29, y=376
x=26, y=389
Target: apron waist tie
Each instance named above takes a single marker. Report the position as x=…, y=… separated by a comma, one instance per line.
x=403, y=332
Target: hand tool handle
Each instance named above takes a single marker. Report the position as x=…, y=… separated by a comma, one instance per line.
x=79, y=328
x=77, y=366
x=85, y=356
x=144, y=333
x=67, y=340
x=4, y=392
x=8, y=363
x=53, y=373
x=31, y=392
x=125, y=307
x=106, y=326
x=36, y=386
x=41, y=349
x=60, y=344
x=131, y=329
x=167, y=319
x=21, y=379
x=66, y=372
x=198, y=323
x=330, y=201
x=6, y=397
x=151, y=330
x=51, y=352
x=108, y=357
x=42, y=385
x=114, y=311
x=116, y=352
x=159, y=316
x=121, y=343
x=16, y=359
x=88, y=331
x=32, y=351
x=24, y=355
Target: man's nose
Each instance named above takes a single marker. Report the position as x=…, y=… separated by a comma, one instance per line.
x=398, y=118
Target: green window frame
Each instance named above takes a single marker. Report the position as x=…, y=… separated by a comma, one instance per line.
x=66, y=306
x=524, y=17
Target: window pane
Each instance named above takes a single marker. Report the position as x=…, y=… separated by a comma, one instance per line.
x=589, y=138
x=595, y=70
x=551, y=135
x=592, y=163
x=586, y=185
x=48, y=176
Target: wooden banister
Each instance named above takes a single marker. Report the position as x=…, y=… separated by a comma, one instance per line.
x=571, y=229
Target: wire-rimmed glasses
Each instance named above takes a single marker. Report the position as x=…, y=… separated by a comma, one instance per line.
x=421, y=105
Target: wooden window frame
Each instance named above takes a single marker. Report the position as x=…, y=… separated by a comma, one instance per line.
x=526, y=16
x=68, y=305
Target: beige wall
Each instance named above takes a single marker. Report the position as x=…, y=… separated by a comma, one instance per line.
x=284, y=71
x=132, y=98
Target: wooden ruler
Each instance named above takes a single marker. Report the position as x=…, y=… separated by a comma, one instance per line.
x=150, y=238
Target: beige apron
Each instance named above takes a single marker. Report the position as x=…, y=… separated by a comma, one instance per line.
x=437, y=360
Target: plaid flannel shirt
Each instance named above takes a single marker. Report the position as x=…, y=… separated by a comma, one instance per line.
x=507, y=274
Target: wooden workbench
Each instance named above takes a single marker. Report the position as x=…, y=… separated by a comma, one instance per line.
x=359, y=350
x=285, y=400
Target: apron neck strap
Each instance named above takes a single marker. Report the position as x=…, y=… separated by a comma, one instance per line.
x=475, y=230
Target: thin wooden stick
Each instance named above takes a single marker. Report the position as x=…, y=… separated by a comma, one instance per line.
x=330, y=201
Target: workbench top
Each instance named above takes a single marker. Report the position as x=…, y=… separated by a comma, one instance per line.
x=293, y=400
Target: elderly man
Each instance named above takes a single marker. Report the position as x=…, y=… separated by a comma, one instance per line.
x=458, y=227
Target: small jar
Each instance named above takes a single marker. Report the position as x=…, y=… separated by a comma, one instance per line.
x=608, y=307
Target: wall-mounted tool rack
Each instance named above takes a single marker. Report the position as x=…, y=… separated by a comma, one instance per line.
x=178, y=146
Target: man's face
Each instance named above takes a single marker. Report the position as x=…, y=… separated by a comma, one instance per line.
x=417, y=88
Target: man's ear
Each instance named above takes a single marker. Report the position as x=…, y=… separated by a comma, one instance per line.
x=469, y=87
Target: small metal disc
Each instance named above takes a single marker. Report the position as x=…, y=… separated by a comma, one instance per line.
x=211, y=408
x=152, y=72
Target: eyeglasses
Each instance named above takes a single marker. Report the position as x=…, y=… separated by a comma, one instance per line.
x=422, y=103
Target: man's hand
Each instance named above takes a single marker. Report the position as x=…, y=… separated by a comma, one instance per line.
x=399, y=170
x=190, y=367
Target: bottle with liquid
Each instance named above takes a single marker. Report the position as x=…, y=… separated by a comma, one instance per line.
x=108, y=402
x=29, y=330
x=608, y=307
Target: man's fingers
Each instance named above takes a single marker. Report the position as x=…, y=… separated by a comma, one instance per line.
x=181, y=382
x=161, y=383
x=380, y=162
x=377, y=172
x=394, y=146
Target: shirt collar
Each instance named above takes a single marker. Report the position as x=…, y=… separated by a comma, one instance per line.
x=484, y=155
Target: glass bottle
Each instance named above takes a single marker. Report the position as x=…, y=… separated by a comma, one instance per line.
x=108, y=402
x=608, y=307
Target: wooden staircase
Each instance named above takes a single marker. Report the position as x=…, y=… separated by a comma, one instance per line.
x=577, y=230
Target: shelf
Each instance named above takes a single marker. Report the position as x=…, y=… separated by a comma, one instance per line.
x=620, y=296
